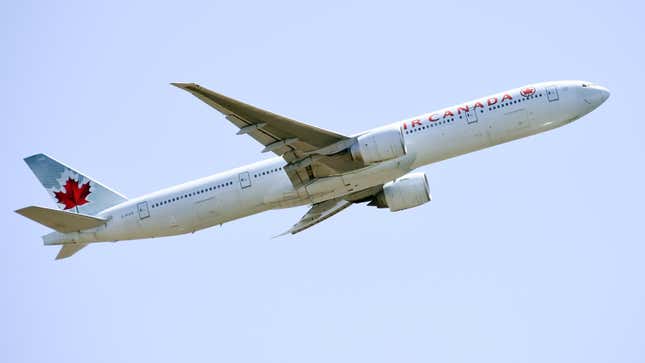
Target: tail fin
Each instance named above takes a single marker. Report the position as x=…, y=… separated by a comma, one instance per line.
x=70, y=189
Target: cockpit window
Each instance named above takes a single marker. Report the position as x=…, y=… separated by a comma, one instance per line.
x=585, y=85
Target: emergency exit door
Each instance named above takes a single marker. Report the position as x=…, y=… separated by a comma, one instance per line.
x=245, y=180
x=471, y=115
x=143, y=210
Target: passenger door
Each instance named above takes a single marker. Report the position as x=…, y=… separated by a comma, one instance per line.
x=471, y=115
x=143, y=210
x=245, y=180
x=552, y=94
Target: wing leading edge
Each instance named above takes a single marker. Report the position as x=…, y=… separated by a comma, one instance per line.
x=281, y=135
x=310, y=152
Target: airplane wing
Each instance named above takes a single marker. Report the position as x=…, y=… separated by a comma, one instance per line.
x=310, y=152
x=318, y=213
x=285, y=137
x=323, y=210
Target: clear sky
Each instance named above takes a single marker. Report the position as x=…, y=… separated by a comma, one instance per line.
x=531, y=251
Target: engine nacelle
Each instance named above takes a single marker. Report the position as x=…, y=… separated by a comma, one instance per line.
x=379, y=145
x=408, y=191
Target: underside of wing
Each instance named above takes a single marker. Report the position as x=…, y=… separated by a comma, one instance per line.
x=321, y=211
x=318, y=213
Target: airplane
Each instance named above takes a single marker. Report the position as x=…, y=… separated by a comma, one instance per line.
x=324, y=169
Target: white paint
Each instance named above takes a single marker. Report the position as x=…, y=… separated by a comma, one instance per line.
x=221, y=198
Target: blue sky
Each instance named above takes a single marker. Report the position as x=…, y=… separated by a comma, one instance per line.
x=531, y=251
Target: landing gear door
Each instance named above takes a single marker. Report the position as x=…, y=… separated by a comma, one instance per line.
x=245, y=180
x=143, y=210
x=552, y=94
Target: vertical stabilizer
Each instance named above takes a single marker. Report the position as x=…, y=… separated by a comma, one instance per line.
x=71, y=190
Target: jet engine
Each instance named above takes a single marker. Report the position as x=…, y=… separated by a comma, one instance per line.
x=379, y=145
x=408, y=191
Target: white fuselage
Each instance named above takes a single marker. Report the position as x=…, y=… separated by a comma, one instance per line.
x=264, y=185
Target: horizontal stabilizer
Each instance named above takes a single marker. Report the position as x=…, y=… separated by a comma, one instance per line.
x=60, y=220
x=69, y=250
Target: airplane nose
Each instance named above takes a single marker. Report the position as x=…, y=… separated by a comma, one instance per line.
x=604, y=93
x=594, y=95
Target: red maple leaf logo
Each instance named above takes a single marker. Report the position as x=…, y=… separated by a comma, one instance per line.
x=527, y=91
x=73, y=195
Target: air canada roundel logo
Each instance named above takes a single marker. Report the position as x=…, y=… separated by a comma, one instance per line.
x=528, y=91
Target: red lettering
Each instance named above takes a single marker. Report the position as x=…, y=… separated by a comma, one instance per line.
x=463, y=108
x=478, y=104
x=405, y=125
x=507, y=97
x=492, y=101
x=432, y=119
x=416, y=122
x=448, y=114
